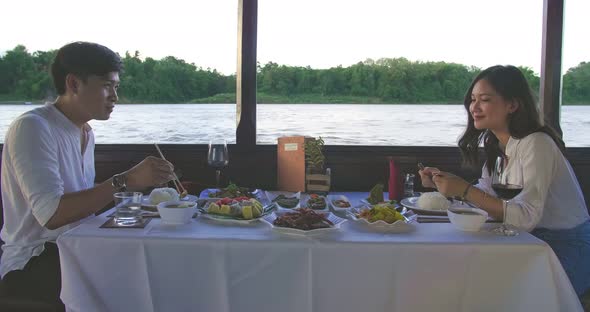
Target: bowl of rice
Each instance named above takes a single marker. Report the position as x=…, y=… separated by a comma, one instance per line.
x=163, y=194
x=433, y=201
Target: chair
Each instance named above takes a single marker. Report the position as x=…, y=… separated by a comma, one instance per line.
x=18, y=304
x=586, y=301
x=24, y=305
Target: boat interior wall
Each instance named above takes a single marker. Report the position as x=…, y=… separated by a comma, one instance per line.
x=353, y=168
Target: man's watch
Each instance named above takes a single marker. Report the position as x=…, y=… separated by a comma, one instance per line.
x=119, y=182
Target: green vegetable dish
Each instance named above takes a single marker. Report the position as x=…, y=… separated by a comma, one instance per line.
x=286, y=202
x=316, y=202
x=376, y=194
x=232, y=191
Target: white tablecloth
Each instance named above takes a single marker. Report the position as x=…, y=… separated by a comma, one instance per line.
x=207, y=266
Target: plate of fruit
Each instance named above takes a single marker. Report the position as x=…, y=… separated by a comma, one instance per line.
x=241, y=210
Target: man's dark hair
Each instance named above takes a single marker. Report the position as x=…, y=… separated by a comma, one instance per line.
x=83, y=59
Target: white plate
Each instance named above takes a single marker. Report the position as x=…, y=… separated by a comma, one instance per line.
x=145, y=200
x=332, y=198
x=270, y=195
x=412, y=203
x=270, y=218
x=233, y=219
x=306, y=197
x=400, y=226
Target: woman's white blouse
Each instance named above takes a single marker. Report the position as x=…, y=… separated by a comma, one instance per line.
x=551, y=197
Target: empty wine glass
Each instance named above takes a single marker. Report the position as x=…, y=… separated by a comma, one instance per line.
x=507, y=182
x=217, y=157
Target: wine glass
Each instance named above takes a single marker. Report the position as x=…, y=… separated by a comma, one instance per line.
x=507, y=182
x=218, y=158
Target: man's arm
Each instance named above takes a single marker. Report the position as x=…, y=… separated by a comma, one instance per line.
x=75, y=206
x=78, y=205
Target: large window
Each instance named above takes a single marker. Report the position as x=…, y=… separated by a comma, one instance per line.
x=575, y=112
x=176, y=54
x=392, y=72
x=372, y=73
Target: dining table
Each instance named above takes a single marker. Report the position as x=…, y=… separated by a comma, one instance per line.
x=213, y=265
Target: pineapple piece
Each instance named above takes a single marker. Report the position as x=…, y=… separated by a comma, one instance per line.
x=213, y=208
x=256, y=211
x=247, y=212
x=257, y=204
x=225, y=209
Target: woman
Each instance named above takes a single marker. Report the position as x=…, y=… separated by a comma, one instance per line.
x=503, y=116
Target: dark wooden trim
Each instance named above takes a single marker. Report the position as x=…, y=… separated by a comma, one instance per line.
x=354, y=168
x=550, y=89
x=246, y=74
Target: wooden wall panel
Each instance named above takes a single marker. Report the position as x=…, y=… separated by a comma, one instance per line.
x=354, y=168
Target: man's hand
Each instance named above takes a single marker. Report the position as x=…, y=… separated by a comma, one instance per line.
x=152, y=171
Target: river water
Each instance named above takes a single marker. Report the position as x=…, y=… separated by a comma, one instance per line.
x=338, y=124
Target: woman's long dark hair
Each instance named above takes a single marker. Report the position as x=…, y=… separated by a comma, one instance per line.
x=510, y=83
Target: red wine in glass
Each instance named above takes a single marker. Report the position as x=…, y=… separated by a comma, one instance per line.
x=218, y=158
x=507, y=184
x=507, y=191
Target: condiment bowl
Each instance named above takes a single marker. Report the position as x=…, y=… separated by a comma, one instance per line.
x=176, y=211
x=467, y=219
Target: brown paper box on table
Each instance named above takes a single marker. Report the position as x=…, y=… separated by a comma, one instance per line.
x=291, y=163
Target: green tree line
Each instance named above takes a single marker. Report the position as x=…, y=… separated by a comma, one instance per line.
x=25, y=76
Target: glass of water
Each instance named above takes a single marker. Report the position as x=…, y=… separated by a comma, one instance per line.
x=409, y=185
x=128, y=208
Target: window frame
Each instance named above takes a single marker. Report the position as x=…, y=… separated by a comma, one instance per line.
x=550, y=88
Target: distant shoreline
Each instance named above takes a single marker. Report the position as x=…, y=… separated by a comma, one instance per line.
x=230, y=98
x=39, y=103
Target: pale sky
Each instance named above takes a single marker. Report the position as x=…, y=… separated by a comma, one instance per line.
x=318, y=33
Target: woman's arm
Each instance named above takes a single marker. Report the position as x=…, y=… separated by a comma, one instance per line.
x=537, y=155
x=451, y=185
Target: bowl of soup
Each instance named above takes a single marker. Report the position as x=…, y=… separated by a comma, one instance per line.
x=176, y=211
x=467, y=219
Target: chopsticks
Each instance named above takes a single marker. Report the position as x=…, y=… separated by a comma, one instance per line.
x=179, y=188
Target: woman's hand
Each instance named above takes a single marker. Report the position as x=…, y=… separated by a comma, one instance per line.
x=426, y=175
x=449, y=184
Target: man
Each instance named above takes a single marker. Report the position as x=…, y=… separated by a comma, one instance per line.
x=48, y=170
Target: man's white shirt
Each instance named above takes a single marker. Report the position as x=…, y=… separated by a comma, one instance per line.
x=41, y=160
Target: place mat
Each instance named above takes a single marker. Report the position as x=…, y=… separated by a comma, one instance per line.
x=144, y=213
x=110, y=224
x=432, y=219
x=443, y=219
x=149, y=214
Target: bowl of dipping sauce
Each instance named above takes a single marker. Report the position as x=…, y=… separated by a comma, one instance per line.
x=467, y=219
x=176, y=211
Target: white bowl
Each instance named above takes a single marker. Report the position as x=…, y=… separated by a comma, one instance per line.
x=176, y=211
x=331, y=198
x=271, y=195
x=467, y=219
